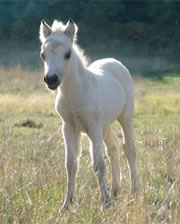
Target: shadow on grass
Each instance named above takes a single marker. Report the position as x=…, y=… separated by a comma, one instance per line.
x=28, y=124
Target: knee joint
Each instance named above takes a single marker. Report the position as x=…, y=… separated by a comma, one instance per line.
x=71, y=164
x=113, y=152
x=98, y=166
x=130, y=150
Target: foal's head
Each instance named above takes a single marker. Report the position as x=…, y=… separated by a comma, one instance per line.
x=56, y=50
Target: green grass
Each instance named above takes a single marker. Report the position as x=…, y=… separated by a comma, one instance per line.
x=32, y=173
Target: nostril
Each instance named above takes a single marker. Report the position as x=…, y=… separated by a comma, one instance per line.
x=45, y=79
x=51, y=80
x=54, y=78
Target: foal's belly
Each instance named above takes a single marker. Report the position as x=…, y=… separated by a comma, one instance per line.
x=113, y=100
x=113, y=106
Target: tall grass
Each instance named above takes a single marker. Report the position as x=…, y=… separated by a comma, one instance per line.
x=32, y=173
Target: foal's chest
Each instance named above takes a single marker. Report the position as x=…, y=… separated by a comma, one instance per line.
x=76, y=116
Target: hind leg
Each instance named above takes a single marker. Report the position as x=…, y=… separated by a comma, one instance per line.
x=129, y=149
x=96, y=150
x=113, y=152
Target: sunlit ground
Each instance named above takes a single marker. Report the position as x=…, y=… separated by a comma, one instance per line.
x=32, y=173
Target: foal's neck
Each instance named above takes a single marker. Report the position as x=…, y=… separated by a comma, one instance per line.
x=77, y=65
x=75, y=77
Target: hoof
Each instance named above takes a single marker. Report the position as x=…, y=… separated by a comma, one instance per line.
x=63, y=208
x=107, y=203
x=66, y=205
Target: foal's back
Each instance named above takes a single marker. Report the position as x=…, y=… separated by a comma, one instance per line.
x=114, y=69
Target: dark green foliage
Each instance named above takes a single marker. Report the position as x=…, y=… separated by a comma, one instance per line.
x=156, y=23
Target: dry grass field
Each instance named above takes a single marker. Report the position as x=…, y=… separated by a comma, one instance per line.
x=32, y=173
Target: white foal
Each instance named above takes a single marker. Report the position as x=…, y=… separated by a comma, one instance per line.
x=88, y=100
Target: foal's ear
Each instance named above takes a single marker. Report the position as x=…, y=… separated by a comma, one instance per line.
x=45, y=30
x=71, y=30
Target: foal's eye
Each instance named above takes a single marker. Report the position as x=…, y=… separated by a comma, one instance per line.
x=68, y=55
x=42, y=56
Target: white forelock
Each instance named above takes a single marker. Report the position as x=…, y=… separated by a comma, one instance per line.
x=58, y=26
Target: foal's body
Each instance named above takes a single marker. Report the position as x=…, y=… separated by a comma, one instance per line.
x=88, y=100
x=102, y=91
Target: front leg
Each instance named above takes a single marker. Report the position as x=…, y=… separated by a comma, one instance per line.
x=72, y=151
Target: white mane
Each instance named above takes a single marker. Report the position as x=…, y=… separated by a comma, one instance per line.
x=80, y=52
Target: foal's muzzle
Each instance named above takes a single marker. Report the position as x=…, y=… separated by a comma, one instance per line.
x=52, y=81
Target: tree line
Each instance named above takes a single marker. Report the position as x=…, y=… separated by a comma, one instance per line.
x=156, y=22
